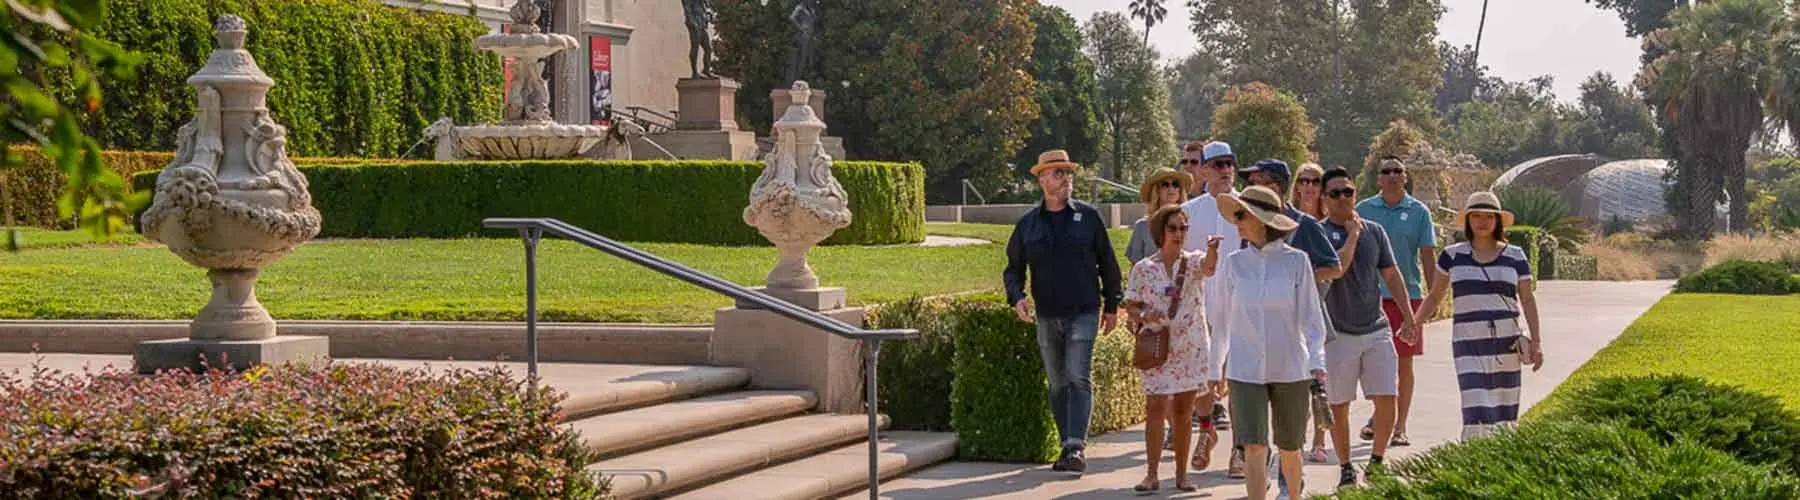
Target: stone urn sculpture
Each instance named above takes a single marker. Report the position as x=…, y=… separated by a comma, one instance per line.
x=231, y=202
x=797, y=203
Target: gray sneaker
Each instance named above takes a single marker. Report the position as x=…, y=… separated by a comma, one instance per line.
x=1235, y=469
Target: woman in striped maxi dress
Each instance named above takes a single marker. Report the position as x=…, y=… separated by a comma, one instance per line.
x=1490, y=285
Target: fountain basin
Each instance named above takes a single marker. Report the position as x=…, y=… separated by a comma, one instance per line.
x=529, y=141
x=527, y=45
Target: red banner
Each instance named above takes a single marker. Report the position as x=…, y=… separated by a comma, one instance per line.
x=600, y=89
x=506, y=69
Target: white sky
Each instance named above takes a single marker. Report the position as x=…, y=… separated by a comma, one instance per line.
x=1567, y=39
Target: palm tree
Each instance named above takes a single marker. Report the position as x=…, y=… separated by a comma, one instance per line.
x=1783, y=96
x=1707, y=87
x=1152, y=12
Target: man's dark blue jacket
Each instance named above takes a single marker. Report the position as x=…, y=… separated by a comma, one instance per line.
x=1070, y=260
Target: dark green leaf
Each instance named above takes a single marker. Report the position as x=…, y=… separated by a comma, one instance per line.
x=81, y=13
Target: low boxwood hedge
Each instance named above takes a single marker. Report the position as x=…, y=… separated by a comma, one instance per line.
x=680, y=202
x=1750, y=425
x=1577, y=267
x=975, y=369
x=1741, y=277
x=328, y=431
x=1562, y=459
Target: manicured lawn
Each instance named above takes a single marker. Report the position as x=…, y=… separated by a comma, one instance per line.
x=999, y=233
x=468, y=279
x=32, y=238
x=1747, y=340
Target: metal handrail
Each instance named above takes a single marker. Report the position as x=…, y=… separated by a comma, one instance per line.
x=668, y=122
x=532, y=230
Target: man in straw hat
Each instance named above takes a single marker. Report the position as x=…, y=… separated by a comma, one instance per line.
x=1062, y=246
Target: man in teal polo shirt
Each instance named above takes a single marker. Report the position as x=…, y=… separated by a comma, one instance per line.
x=1414, y=240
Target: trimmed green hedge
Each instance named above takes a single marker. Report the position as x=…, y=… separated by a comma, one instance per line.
x=1527, y=237
x=683, y=202
x=352, y=77
x=1577, y=267
x=1741, y=277
x=1561, y=459
x=975, y=369
x=1750, y=425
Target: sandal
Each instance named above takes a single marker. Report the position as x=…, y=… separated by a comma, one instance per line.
x=1368, y=433
x=1183, y=485
x=1203, y=451
x=1399, y=440
x=1317, y=456
x=1147, y=486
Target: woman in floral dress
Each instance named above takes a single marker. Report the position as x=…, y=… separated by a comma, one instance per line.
x=1172, y=386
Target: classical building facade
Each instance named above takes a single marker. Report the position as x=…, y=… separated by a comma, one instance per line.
x=631, y=54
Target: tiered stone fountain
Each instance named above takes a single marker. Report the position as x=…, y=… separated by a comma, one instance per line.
x=527, y=129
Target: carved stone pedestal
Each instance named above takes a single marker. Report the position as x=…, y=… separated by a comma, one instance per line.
x=235, y=354
x=781, y=98
x=699, y=145
x=707, y=104
x=783, y=354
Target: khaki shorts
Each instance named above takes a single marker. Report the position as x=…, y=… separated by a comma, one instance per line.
x=1250, y=412
x=1369, y=359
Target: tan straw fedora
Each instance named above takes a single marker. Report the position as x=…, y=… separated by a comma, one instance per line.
x=1260, y=202
x=1484, y=201
x=1148, y=189
x=1055, y=158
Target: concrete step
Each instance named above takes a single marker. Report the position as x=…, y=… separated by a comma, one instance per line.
x=437, y=340
x=839, y=472
x=692, y=463
x=596, y=388
x=614, y=434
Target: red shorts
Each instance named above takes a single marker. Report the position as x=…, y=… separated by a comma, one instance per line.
x=1392, y=309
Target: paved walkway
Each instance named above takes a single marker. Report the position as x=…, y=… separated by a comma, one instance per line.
x=1578, y=317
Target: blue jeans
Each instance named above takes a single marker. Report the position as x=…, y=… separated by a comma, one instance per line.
x=1067, y=346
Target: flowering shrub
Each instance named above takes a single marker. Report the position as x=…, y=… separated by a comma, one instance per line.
x=330, y=431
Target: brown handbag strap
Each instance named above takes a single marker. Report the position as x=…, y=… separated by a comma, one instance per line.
x=1180, y=279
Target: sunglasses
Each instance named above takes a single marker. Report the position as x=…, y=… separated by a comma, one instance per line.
x=1177, y=228
x=1171, y=184
x=1341, y=193
x=1239, y=214
x=1307, y=181
x=1062, y=173
x=1393, y=171
x=1223, y=164
x=1190, y=161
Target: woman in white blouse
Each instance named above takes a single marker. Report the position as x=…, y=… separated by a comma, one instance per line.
x=1274, y=347
x=1165, y=293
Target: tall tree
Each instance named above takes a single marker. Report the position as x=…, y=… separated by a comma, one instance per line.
x=1133, y=97
x=1464, y=79
x=1707, y=89
x=1196, y=84
x=945, y=87
x=1641, y=16
x=1518, y=122
x=1260, y=122
x=1614, y=122
x=1066, y=91
x=1151, y=12
x=1355, y=65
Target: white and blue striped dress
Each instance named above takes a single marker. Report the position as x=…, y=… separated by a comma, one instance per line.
x=1486, y=325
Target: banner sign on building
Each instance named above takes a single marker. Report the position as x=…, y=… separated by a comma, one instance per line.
x=600, y=89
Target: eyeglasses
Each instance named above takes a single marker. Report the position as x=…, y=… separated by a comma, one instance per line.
x=1393, y=171
x=1190, y=161
x=1307, y=181
x=1346, y=192
x=1062, y=173
x=1177, y=228
x=1171, y=184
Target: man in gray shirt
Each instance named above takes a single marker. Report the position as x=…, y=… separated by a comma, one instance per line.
x=1363, y=349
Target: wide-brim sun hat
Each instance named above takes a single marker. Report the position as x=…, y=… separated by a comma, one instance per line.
x=1055, y=158
x=1484, y=201
x=1147, y=191
x=1260, y=202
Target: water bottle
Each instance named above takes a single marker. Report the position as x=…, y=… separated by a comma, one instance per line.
x=1321, y=409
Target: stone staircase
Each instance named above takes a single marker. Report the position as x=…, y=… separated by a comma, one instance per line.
x=701, y=432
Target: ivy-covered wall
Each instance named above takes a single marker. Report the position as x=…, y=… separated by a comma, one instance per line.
x=352, y=77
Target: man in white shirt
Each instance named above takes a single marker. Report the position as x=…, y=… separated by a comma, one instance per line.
x=1217, y=165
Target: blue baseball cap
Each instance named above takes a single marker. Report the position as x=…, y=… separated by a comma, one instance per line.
x=1274, y=168
x=1215, y=149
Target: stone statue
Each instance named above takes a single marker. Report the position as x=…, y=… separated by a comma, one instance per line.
x=795, y=208
x=700, y=52
x=231, y=210
x=806, y=26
